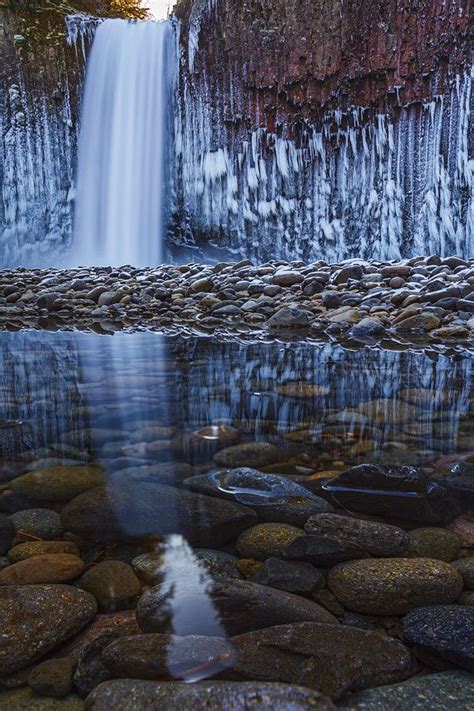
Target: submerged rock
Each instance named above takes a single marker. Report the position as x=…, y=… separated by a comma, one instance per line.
x=49, y=568
x=250, y=454
x=434, y=543
x=38, y=618
x=446, y=690
x=267, y=540
x=274, y=498
x=399, y=492
x=393, y=586
x=128, y=511
x=240, y=605
x=204, y=696
x=39, y=523
x=444, y=631
x=61, y=483
x=25, y=699
x=113, y=584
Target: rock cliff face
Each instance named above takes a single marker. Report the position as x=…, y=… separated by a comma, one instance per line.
x=40, y=82
x=326, y=128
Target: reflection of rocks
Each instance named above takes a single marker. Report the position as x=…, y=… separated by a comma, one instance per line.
x=37, y=619
x=144, y=509
x=394, y=586
x=423, y=693
x=401, y=492
x=204, y=696
x=274, y=498
x=444, y=631
x=241, y=606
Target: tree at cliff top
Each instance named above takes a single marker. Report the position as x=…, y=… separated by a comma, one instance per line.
x=134, y=9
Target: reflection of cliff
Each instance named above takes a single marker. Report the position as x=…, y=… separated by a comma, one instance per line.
x=326, y=129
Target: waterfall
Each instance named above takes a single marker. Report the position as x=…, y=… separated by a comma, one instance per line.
x=122, y=176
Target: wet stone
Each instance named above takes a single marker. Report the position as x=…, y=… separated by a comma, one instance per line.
x=90, y=670
x=445, y=690
x=465, y=566
x=274, y=498
x=267, y=540
x=242, y=606
x=25, y=700
x=217, y=563
x=7, y=531
x=48, y=568
x=252, y=454
x=433, y=543
x=393, y=586
x=293, y=577
x=61, y=483
x=38, y=618
x=52, y=677
x=113, y=584
x=205, y=696
x=35, y=548
x=39, y=523
x=136, y=510
x=402, y=492
x=444, y=631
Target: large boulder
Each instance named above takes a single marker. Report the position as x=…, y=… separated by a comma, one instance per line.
x=128, y=511
x=38, y=618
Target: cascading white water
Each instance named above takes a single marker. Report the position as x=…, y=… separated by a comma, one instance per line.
x=121, y=188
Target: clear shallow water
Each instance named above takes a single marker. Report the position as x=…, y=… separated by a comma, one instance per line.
x=145, y=408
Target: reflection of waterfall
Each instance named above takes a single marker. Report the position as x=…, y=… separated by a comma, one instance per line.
x=121, y=185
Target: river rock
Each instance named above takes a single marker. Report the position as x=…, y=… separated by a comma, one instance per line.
x=444, y=631
x=369, y=537
x=402, y=492
x=38, y=618
x=433, y=543
x=128, y=511
x=35, y=548
x=393, y=586
x=49, y=568
x=58, y=484
x=52, y=677
x=39, y=523
x=328, y=658
x=90, y=670
x=204, y=696
x=217, y=563
x=443, y=691
x=465, y=566
x=241, y=606
x=289, y=318
x=113, y=584
x=267, y=540
x=274, y=498
x=250, y=454
x=25, y=700
x=288, y=575
x=7, y=531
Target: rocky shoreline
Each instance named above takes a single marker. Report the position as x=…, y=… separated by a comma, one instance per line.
x=427, y=300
